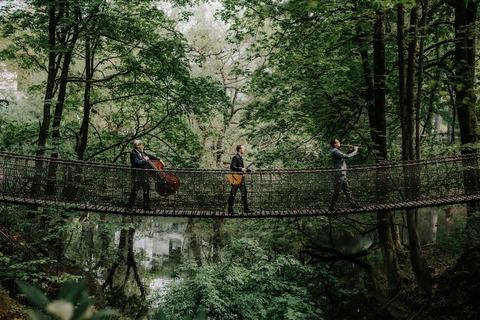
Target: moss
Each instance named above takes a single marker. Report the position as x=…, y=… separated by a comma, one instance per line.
x=11, y=309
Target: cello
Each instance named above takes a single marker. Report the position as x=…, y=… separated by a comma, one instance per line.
x=166, y=183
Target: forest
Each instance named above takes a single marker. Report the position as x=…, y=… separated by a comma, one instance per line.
x=83, y=79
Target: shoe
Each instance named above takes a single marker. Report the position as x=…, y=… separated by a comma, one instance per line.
x=331, y=209
x=148, y=209
x=248, y=211
x=231, y=213
x=355, y=206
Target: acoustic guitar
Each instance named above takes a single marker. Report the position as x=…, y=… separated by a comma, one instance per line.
x=235, y=178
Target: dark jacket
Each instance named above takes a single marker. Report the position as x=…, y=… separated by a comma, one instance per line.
x=137, y=159
x=237, y=163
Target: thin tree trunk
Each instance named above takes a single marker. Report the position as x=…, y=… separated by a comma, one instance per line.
x=131, y=263
x=465, y=18
x=83, y=133
x=91, y=39
x=118, y=261
x=379, y=142
x=53, y=68
x=217, y=239
x=375, y=100
x=408, y=118
x=422, y=25
x=194, y=243
x=104, y=235
x=411, y=177
x=465, y=96
x=58, y=113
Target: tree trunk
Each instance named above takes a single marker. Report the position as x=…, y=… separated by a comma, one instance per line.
x=194, y=243
x=53, y=68
x=419, y=264
x=69, y=44
x=131, y=263
x=83, y=133
x=91, y=39
x=122, y=244
x=412, y=177
x=376, y=102
x=465, y=96
x=217, y=239
x=378, y=132
x=69, y=36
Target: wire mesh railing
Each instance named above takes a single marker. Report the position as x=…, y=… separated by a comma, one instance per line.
x=204, y=193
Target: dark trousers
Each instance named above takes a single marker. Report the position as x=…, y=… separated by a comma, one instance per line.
x=341, y=183
x=233, y=192
x=140, y=181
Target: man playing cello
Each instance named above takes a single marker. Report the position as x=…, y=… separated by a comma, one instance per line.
x=140, y=160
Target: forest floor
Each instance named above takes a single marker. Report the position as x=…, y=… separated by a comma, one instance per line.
x=456, y=286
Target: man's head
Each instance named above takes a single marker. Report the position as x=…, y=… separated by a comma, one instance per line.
x=241, y=149
x=335, y=143
x=138, y=144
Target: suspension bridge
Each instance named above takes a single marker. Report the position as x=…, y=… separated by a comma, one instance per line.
x=100, y=187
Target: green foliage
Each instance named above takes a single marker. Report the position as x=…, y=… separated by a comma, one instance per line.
x=454, y=241
x=18, y=125
x=131, y=306
x=139, y=82
x=311, y=84
x=307, y=64
x=72, y=303
x=296, y=90
x=30, y=256
x=248, y=284
x=201, y=315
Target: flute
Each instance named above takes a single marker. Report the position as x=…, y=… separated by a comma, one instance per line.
x=350, y=146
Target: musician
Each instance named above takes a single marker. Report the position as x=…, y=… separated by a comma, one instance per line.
x=340, y=175
x=140, y=160
x=238, y=166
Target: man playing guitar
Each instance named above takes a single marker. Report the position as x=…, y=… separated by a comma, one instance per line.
x=237, y=179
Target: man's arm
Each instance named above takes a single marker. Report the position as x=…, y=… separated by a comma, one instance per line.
x=151, y=157
x=339, y=154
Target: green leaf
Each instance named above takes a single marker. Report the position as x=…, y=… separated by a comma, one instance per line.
x=36, y=315
x=160, y=315
x=72, y=291
x=81, y=306
x=104, y=313
x=201, y=315
x=34, y=295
